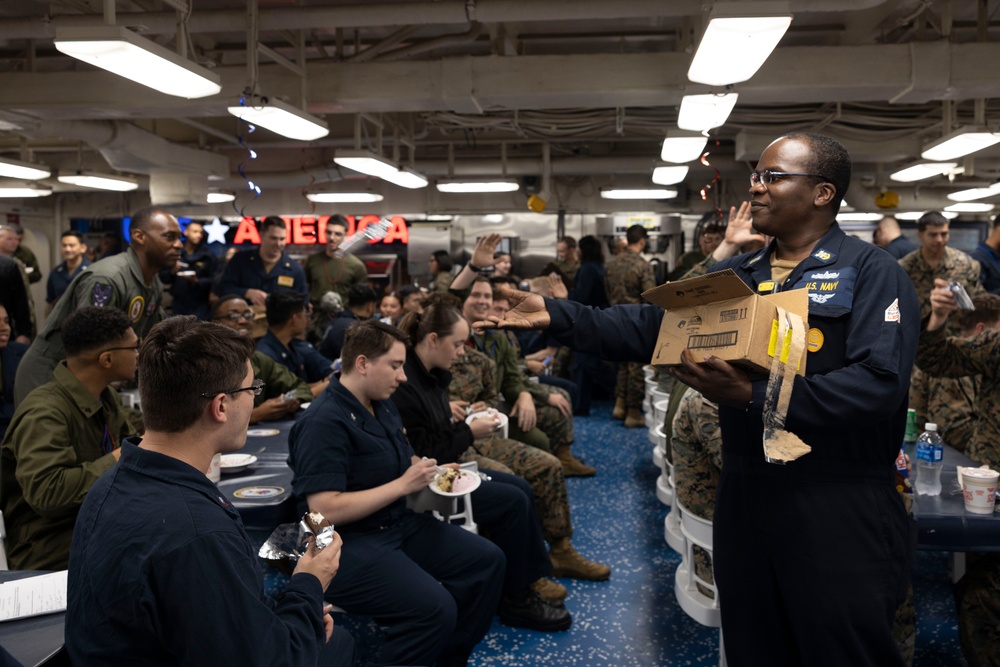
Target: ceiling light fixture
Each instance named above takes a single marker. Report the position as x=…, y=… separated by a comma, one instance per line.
x=343, y=197
x=961, y=142
x=407, y=178
x=922, y=170
x=122, y=52
x=220, y=197
x=369, y=163
x=680, y=147
x=970, y=207
x=669, y=175
x=858, y=216
x=461, y=187
x=281, y=118
x=23, y=191
x=700, y=113
x=95, y=181
x=493, y=218
x=649, y=193
x=736, y=44
x=26, y=170
x=916, y=215
x=975, y=193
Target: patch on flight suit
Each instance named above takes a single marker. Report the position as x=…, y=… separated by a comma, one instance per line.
x=814, y=340
x=100, y=296
x=832, y=291
x=892, y=312
x=766, y=287
x=286, y=281
x=150, y=307
x=135, y=307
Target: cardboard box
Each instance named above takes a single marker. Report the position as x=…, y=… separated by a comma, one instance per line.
x=719, y=314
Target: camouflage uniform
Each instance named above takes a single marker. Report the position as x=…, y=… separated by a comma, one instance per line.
x=948, y=402
x=472, y=380
x=979, y=609
x=696, y=448
x=569, y=269
x=627, y=276
x=27, y=257
x=955, y=266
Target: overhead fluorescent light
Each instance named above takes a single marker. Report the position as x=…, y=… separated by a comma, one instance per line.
x=23, y=191
x=960, y=143
x=493, y=218
x=922, y=170
x=87, y=179
x=343, y=197
x=916, y=215
x=407, y=178
x=26, y=170
x=669, y=175
x=699, y=113
x=364, y=162
x=739, y=38
x=436, y=217
x=282, y=118
x=122, y=52
x=858, y=216
x=682, y=147
x=970, y=207
x=220, y=197
x=458, y=187
x=975, y=193
x=620, y=193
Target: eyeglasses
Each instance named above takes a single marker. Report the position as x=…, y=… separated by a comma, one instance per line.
x=236, y=317
x=766, y=176
x=257, y=387
x=134, y=348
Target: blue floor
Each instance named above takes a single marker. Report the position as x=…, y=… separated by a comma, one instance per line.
x=634, y=619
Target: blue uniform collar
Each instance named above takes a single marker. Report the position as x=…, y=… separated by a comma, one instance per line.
x=383, y=422
x=172, y=471
x=826, y=251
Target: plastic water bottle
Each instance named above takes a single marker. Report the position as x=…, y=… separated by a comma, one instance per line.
x=929, y=461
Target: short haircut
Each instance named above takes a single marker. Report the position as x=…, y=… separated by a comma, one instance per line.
x=636, y=233
x=369, y=338
x=271, y=221
x=500, y=253
x=182, y=358
x=283, y=305
x=504, y=280
x=499, y=296
x=337, y=219
x=987, y=311
x=360, y=295
x=93, y=328
x=440, y=316
x=406, y=291
x=221, y=301
x=590, y=250
x=443, y=260
x=996, y=222
x=829, y=159
x=931, y=219
x=569, y=241
x=142, y=218
x=73, y=232
x=13, y=227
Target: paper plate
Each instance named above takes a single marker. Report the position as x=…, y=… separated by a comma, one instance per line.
x=262, y=432
x=476, y=481
x=236, y=462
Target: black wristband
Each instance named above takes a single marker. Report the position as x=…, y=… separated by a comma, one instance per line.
x=473, y=267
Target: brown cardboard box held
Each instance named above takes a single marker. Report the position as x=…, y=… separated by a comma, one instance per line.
x=719, y=314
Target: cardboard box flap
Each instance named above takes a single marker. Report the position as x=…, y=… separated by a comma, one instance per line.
x=691, y=292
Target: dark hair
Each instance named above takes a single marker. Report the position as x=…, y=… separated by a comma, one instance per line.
x=987, y=311
x=360, y=295
x=996, y=222
x=569, y=241
x=180, y=359
x=829, y=158
x=500, y=253
x=271, y=221
x=141, y=219
x=337, y=219
x=551, y=268
x=931, y=219
x=636, y=233
x=92, y=328
x=73, y=232
x=369, y=338
x=590, y=250
x=217, y=306
x=498, y=295
x=443, y=260
x=283, y=305
x=439, y=317
x=504, y=280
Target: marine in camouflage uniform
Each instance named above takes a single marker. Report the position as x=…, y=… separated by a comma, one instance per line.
x=627, y=276
x=955, y=266
x=473, y=375
x=948, y=402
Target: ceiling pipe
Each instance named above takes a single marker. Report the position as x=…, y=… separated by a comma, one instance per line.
x=400, y=14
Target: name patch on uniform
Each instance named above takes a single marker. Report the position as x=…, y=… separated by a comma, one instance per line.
x=892, y=312
x=286, y=281
x=814, y=340
x=135, y=307
x=766, y=287
x=100, y=296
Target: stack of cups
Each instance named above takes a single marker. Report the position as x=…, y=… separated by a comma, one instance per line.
x=979, y=487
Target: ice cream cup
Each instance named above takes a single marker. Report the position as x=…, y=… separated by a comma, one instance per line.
x=979, y=488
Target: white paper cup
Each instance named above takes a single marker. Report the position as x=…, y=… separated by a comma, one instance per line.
x=979, y=488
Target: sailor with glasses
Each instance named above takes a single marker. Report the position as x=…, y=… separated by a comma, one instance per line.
x=63, y=436
x=811, y=558
x=284, y=391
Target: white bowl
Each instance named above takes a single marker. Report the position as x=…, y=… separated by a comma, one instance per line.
x=236, y=462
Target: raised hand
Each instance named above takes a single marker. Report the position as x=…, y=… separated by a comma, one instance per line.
x=527, y=312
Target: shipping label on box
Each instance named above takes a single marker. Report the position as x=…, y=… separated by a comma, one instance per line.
x=719, y=314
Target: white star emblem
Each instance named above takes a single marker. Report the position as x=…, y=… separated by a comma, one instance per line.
x=216, y=231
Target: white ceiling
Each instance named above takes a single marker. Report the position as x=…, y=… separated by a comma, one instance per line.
x=478, y=87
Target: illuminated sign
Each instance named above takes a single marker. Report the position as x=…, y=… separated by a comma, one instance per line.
x=311, y=230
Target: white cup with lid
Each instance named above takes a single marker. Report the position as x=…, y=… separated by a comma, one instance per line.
x=979, y=488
